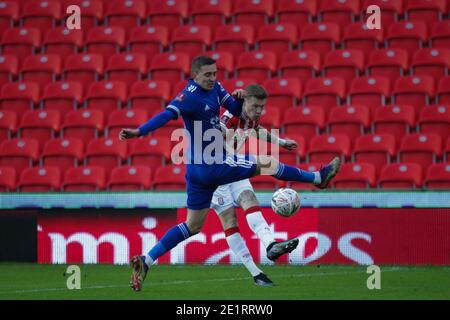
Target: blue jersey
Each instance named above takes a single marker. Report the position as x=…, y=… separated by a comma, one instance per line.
x=200, y=111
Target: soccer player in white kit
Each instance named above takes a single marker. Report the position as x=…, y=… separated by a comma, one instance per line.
x=241, y=193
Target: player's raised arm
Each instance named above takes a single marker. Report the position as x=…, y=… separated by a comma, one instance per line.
x=154, y=123
x=233, y=102
x=263, y=134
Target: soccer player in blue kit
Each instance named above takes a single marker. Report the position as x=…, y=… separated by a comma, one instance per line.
x=208, y=165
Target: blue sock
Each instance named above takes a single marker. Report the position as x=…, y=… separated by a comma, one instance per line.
x=172, y=237
x=288, y=173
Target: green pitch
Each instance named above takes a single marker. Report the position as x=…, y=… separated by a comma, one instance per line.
x=33, y=281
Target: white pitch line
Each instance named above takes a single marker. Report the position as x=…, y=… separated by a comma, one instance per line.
x=300, y=275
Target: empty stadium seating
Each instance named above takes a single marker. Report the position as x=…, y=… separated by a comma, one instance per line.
x=379, y=99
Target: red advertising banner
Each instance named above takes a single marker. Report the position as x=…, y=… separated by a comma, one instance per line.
x=327, y=236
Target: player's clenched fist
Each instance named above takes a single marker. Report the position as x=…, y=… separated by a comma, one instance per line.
x=289, y=144
x=128, y=134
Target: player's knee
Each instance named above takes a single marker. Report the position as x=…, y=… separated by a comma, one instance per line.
x=247, y=199
x=268, y=165
x=194, y=226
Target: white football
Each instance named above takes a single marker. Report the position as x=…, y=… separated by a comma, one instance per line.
x=285, y=202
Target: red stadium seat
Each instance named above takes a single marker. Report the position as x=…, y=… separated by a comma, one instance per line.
x=20, y=42
x=413, y=90
x=391, y=10
x=91, y=12
x=9, y=13
x=346, y=64
x=43, y=14
x=235, y=39
x=62, y=96
x=427, y=11
x=325, y=92
x=125, y=13
x=264, y=182
x=302, y=64
x=63, y=153
x=169, y=178
x=172, y=67
x=105, y=41
x=151, y=152
x=376, y=149
x=62, y=41
x=295, y=12
x=324, y=148
x=106, y=96
x=210, y=13
x=283, y=93
x=278, y=38
x=19, y=97
x=105, y=152
x=168, y=13
x=321, y=37
x=358, y=36
x=435, y=119
x=407, y=35
x=83, y=68
x=8, y=69
x=124, y=119
x=431, y=62
x=254, y=13
x=148, y=40
x=224, y=62
x=19, y=153
x=41, y=69
x=193, y=40
x=41, y=125
x=447, y=151
x=233, y=84
x=438, y=176
x=84, y=179
x=351, y=121
x=423, y=149
x=390, y=63
x=369, y=91
x=8, y=124
x=126, y=67
x=130, y=178
x=40, y=179
x=149, y=95
x=83, y=124
x=443, y=91
x=7, y=179
x=271, y=118
x=341, y=12
x=401, y=176
x=306, y=121
x=355, y=176
x=440, y=35
x=394, y=119
x=257, y=65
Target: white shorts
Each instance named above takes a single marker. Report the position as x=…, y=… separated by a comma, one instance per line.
x=226, y=195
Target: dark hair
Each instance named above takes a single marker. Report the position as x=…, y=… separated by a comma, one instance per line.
x=257, y=91
x=201, y=61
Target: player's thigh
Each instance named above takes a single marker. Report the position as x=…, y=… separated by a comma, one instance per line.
x=266, y=165
x=236, y=168
x=243, y=194
x=196, y=218
x=222, y=199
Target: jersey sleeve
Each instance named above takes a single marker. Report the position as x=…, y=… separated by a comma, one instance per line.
x=181, y=105
x=228, y=121
x=228, y=102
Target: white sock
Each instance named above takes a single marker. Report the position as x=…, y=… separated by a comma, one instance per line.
x=317, y=178
x=239, y=248
x=148, y=260
x=260, y=227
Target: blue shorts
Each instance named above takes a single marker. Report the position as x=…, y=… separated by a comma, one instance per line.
x=202, y=180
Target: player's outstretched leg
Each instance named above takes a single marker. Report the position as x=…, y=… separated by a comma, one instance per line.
x=328, y=172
